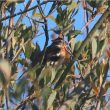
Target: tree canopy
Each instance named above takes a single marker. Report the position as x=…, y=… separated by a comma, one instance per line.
x=81, y=84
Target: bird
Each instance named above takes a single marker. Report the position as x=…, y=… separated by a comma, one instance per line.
x=58, y=53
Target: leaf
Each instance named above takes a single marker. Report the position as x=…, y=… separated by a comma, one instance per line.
x=16, y=1
x=33, y=106
x=20, y=1
x=51, y=99
x=37, y=15
x=29, y=49
x=94, y=3
x=95, y=90
x=68, y=105
x=66, y=29
x=26, y=32
x=77, y=45
x=20, y=86
x=33, y=71
x=59, y=72
x=45, y=75
x=2, y=79
x=94, y=47
x=59, y=20
x=52, y=18
x=72, y=42
x=5, y=68
x=53, y=74
x=58, y=31
x=13, y=42
x=74, y=32
x=107, y=85
x=100, y=45
x=46, y=91
x=63, y=75
x=72, y=6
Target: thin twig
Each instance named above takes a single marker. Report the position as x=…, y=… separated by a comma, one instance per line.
x=35, y=20
x=45, y=29
x=91, y=33
x=19, y=13
x=22, y=15
x=31, y=97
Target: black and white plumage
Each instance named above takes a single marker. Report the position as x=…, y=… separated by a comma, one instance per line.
x=56, y=54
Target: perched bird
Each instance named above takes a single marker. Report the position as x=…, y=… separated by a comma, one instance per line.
x=56, y=54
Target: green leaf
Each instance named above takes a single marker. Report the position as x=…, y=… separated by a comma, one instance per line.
x=100, y=45
x=67, y=28
x=20, y=1
x=33, y=106
x=53, y=74
x=51, y=99
x=73, y=33
x=46, y=91
x=62, y=76
x=29, y=49
x=58, y=31
x=20, y=86
x=68, y=105
x=72, y=42
x=52, y=18
x=94, y=3
x=45, y=75
x=2, y=79
x=107, y=85
x=77, y=45
x=94, y=47
x=59, y=72
x=33, y=71
x=5, y=69
x=72, y=6
x=37, y=15
x=26, y=33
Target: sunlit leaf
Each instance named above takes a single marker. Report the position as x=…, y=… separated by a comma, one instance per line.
x=72, y=6
x=72, y=42
x=94, y=47
x=52, y=18
x=5, y=68
x=107, y=86
x=77, y=45
x=37, y=15
x=51, y=99
x=29, y=49
x=95, y=90
x=45, y=95
x=53, y=74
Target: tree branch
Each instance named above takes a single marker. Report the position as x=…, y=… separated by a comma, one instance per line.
x=91, y=33
x=19, y=13
x=31, y=97
x=45, y=29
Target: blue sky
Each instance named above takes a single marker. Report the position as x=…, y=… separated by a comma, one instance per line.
x=79, y=23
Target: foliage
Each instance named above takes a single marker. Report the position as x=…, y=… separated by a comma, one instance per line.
x=25, y=82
